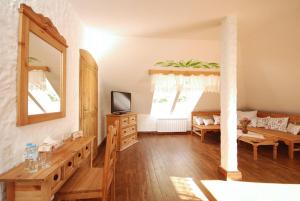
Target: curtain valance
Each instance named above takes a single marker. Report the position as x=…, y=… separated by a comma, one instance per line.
x=171, y=82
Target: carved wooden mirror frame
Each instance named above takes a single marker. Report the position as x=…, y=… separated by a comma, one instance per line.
x=44, y=29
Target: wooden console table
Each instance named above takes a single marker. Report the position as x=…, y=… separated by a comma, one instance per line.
x=42, y=185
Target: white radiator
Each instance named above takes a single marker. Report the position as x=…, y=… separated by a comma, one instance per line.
x=171, y=125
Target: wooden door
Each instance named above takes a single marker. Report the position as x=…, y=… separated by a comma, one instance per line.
x=88, y=93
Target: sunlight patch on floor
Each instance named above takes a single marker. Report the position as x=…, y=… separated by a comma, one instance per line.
x=187, y=189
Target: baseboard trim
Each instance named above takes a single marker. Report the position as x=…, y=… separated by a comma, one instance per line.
x=229, y=175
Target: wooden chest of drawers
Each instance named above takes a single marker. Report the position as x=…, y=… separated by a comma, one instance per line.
x=127, y=131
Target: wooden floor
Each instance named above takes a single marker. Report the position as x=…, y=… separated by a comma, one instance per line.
x=163, y=167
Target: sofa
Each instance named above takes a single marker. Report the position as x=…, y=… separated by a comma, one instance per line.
x=291, y=140
x=201, y=129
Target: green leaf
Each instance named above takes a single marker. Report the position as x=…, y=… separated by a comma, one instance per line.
x=181, y=63
x=187, y=64
x=158, y=63
x=195, y=63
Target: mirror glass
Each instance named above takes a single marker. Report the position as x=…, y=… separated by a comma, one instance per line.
x=45, y=65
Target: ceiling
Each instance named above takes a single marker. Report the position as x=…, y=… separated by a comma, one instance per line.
x=185, y=19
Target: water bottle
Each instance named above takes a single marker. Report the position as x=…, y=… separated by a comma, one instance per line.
x=30, y=158
x=33, y=156
x=26, y=155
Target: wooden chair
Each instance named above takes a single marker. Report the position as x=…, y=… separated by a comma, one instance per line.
x=94, y=183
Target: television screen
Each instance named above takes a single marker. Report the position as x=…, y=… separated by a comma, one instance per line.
x=120, y=102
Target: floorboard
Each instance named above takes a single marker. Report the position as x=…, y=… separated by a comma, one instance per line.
x=163, y=167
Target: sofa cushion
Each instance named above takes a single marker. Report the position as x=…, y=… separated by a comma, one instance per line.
x=217, y=119
x=251, y=115
x=262, y=122
x=208, y=122
x=293, y=129
x=198, y=121
x=279, y=124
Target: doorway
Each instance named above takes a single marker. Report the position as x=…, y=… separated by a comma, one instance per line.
x=88, y=97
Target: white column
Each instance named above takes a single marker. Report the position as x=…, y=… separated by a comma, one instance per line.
x=229, y=94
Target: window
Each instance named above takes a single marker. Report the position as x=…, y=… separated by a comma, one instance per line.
x=162, y=103
x=185, y=103
x=43, y=99
x=174, y=104
x=176, y=95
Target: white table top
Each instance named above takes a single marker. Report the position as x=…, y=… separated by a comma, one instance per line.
x=251, y=191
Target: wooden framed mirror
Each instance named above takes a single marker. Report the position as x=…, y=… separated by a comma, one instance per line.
x=41, y=87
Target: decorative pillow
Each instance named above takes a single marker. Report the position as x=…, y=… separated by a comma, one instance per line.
x=198, y=121
x=293, y=129
x=217, y=119
x=251, y=115
x=279, y=124
x=262, y=122
x=253, y=122
x=208, y=122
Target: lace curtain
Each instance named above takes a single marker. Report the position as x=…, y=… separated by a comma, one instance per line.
x=167, y=83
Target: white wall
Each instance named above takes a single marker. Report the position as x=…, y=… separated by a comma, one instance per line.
x=125, y=68
x=271, y=64
x=13, y=139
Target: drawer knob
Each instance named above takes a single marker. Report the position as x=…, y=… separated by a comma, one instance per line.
x=79, y=155
x=86, y=148
x=55, y=177
x=69, y=163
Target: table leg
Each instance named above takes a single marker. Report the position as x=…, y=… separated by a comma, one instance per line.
x=92, y=153
x=291, y=150
x=10, y=191
x=255, y=152
x=46, y=191
x=275, y=151
x=202, y=135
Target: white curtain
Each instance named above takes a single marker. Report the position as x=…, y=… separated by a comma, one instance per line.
x=167, y=83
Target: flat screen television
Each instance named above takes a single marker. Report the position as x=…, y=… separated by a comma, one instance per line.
x=120, y=102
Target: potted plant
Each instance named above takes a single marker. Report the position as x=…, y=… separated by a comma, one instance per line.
x=244, y=123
